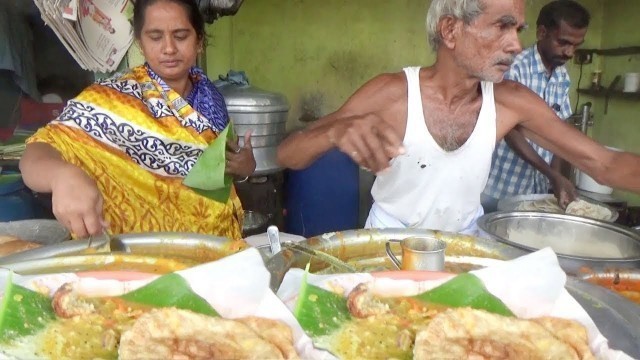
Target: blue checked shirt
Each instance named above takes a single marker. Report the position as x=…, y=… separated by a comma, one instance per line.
x=510, y=175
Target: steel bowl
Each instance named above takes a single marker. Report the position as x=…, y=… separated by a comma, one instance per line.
x=579, y=242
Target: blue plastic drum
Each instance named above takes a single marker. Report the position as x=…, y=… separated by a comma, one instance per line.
x=323, y=197
x=16, y=200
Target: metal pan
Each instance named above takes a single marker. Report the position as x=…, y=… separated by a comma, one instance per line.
x=102, y=262
x=189, y=247
x=364, y=250
x=45, y=232
x=617, y=319
x=617, y=280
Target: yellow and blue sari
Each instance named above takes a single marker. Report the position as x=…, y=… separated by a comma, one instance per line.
x=138, y=139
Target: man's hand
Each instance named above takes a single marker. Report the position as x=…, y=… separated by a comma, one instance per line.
x=368, y=140
x=563, y=190
x=77, y=202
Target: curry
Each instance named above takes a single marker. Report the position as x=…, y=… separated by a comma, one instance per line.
x=412, y=328
x=625, y=286
x=383, y=336
x=90, y=336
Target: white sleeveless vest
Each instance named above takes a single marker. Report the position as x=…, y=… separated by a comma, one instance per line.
x=428, y=187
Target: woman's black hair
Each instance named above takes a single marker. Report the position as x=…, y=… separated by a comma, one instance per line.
x=190, y=6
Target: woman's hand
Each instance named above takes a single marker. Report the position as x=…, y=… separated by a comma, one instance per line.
x=240, y=160
x=77, y=202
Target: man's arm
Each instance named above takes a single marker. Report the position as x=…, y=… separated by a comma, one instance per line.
x=357, y=129
x=563, y=189
x=519, y=144
x=521, y=106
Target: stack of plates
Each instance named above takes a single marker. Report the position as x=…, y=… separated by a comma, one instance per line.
x=547, y=203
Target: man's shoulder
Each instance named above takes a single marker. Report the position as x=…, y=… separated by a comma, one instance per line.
x=386, y=83
x=390, y=77
x=508, y=86
x=512, y=94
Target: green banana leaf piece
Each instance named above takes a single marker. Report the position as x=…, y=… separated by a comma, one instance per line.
x=319, y=311
x=207, y=176
x=23, y=311
x=465, y=290
x=170, y=290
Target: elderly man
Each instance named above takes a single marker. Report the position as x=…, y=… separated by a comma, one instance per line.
x=429, y=133
x=520, y=168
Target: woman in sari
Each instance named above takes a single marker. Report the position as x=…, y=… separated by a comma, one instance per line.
x=116, y=157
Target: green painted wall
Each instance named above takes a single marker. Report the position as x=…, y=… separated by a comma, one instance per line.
x=319, y=52
x=620, y=127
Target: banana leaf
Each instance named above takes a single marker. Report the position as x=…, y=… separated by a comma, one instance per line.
x=465, y=290
x=170, y=290
x=23, y=311
x=319, y=311
x=207, y=176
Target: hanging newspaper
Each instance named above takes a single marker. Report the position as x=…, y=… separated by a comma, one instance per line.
x=95, y=32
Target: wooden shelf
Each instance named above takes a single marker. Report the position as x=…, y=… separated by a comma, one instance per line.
x=611, y=93
x=628, y=50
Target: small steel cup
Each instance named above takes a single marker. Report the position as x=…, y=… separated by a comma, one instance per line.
x=419, y=253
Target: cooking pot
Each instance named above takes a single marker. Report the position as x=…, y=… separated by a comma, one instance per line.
x=262, y=112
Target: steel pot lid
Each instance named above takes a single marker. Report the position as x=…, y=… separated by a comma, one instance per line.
x=251, y=99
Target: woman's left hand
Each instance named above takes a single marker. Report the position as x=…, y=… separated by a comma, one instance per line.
x=240, y=160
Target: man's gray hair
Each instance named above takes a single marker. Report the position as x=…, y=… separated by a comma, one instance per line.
x=467, y=10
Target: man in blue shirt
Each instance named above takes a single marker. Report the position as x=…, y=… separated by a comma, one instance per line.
x=520, y=167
